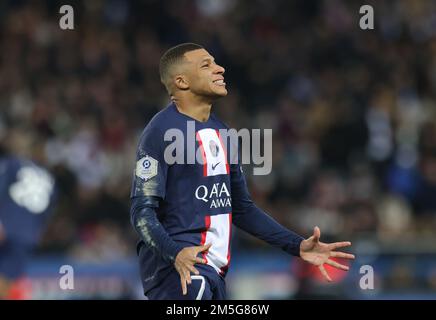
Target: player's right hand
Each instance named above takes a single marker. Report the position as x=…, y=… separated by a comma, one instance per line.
x=185, y=261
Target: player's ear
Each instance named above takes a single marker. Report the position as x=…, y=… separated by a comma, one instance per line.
x=181, y=82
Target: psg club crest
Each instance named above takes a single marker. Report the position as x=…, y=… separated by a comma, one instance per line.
x=214, y=149
x=146, y=168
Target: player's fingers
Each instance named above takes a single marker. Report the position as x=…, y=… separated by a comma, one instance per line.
x=337, y=265
x=183, y=283
x=188, y=277
x=200, y=260
x=194, y=270
x=316, y=234
x=204, y=247
x=324, y=273
x=344, y=255
x=337, y=245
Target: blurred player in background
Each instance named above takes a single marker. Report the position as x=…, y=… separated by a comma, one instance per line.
x=185, y=241
x=27, y=196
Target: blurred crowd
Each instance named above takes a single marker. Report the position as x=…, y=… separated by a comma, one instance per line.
x=353, y=111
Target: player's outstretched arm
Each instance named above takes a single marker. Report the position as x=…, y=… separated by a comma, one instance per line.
x=250, y=218
x=318, y=253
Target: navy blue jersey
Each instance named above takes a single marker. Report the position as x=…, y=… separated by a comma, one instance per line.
x=199, y=201
x=26, y=198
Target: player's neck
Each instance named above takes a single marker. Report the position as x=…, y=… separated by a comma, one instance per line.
x=199, y=110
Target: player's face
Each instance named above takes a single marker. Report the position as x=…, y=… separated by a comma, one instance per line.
x=206, y=78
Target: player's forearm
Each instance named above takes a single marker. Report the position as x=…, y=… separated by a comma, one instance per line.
x=151, y=231
x=259, y=224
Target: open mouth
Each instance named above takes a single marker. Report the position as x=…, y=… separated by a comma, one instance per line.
x=220, y=82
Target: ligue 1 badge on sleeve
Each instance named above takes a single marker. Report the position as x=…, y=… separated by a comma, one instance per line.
x=146, y=168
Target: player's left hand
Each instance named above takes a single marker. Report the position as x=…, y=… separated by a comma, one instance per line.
x=319, y=253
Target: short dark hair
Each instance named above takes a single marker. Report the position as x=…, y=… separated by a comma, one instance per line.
x=172, y=57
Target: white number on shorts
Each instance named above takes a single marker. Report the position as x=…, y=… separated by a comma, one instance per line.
x=202, y=286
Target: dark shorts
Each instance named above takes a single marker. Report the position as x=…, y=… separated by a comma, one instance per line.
x=209, y=285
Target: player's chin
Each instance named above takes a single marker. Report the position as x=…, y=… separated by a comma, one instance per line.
x=220, y=92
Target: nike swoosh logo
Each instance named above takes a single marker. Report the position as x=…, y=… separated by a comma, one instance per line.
x=214, y=166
